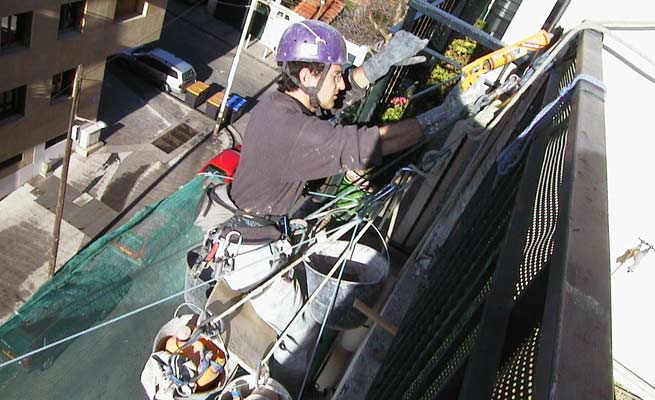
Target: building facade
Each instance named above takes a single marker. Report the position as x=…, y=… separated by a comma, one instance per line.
x=272, y=17
x=41, y=43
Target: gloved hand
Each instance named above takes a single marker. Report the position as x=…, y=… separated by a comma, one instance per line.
x=475, y=125
x=457, y=104
x=460, y=101
x=401, y=50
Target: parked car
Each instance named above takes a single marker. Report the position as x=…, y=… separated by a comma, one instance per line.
x=166, y=70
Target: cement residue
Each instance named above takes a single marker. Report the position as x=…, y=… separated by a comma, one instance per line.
x=119, y=189
x=25, y=241
x=20, y=277
x=104, y=174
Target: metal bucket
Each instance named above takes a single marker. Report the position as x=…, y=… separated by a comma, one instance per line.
x=362, y=279
x=197, y=273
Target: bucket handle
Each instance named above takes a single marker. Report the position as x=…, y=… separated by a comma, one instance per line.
x=191, y=306
x=384, y=243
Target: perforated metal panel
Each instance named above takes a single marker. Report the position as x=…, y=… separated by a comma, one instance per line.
x=453, y=364
x=539, y=242
x=475, y=331
x=516, y=378
x=438, y=334
x=424, y=375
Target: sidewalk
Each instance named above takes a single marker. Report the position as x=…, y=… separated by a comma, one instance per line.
x=130, y=171
x=101, y=191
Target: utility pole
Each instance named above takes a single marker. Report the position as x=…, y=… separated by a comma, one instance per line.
x=54, y=247
x=235, y=64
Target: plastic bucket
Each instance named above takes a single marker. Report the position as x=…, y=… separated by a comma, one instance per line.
x=362, y=279
x=191, y=320
x=244, y=386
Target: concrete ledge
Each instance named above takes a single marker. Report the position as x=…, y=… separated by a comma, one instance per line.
x=85, y=152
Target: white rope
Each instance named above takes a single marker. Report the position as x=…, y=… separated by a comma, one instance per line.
x=92, y=329
x=386, y=167
x=512, y=154
x=384, y=242
x=316, y=291
x=215, y=175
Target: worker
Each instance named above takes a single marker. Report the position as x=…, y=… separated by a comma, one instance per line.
x=290, y=140
x=286, y=144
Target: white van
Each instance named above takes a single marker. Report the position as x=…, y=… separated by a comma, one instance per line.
x=168, y=71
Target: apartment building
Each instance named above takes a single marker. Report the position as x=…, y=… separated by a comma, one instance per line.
x=41, y=43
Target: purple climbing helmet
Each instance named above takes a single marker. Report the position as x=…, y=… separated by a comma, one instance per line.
x=312, y=41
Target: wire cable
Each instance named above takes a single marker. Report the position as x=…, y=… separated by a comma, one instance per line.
x=316, y=292
x=141, y=309
x=333, y=299
x=334, y=231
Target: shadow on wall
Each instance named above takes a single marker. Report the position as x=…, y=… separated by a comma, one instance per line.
x=124, y=91
x=199, y=41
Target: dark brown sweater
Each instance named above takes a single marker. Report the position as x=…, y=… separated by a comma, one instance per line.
x=285, y=146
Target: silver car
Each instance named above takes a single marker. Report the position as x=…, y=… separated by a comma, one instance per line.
x=166, y=70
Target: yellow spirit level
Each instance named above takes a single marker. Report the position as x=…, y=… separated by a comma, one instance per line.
x=471, y=72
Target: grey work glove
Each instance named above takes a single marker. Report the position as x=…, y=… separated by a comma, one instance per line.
x=401, y=50
x=474, y=126
x=457, y=105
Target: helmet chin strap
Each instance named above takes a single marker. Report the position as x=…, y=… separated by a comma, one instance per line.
x=312, y=92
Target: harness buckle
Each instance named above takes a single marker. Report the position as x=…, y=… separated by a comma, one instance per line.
x=229, y=255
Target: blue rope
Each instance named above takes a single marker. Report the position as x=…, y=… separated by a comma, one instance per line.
x=512, y=154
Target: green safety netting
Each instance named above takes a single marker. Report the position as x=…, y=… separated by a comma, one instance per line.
x=138, y=264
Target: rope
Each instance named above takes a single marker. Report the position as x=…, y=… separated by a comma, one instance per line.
x=367, y=202
x=141, y=309
x=351, y=249
x=603, y=27
x=513, y=153
x=387, y=166
x=315, y=293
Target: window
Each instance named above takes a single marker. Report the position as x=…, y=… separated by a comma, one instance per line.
x=15, y=30
x=157, y=65
x=71, y=17
x=130, y=8
x=12, y=102
x=55, y=140
x=62, y=84
x=12, y=161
